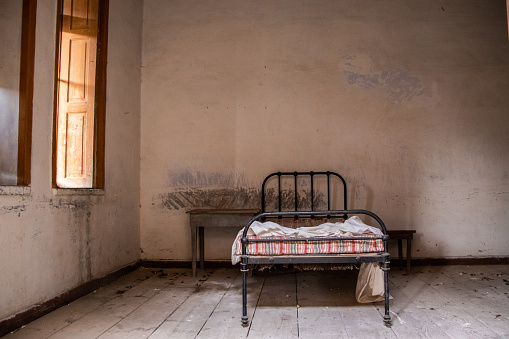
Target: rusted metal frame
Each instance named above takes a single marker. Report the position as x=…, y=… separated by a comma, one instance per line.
x=343, y=258
x=279, y=191
x=296, y=199
x=382, y=258
x=386, y=269
x=328, y=191
x=311, y=174
x=244, y=269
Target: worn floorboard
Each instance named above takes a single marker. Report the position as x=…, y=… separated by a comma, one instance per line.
x=427, y=291
x=319, y=314
x=431, y=302
x=361, y=320
x=276, y=312
x=225, y=321
x=188, y=320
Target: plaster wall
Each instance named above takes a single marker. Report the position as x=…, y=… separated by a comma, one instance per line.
x=406, y=99
x=54, y=240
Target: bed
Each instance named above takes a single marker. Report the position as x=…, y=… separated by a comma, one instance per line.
x=300, y=224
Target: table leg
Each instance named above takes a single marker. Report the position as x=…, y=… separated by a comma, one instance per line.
x=202, y=247
x=193, y=250
x=400, y=253
x=408, y=254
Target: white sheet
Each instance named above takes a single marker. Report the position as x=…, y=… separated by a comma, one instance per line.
x=352, y=226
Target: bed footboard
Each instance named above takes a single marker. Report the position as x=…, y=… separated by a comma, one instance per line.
x=379, y=256
x=382, y=257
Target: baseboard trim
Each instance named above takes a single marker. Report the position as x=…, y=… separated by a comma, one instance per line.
x=394, y=262
x=185, y=264
x=18, y=320
x=456, y=261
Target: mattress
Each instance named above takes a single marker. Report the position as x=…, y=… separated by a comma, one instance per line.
x=287, y=241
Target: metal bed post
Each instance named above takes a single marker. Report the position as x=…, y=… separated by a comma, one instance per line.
x=311, y=174
x=386, y=269
x=244, y=269
x=279, y=190
x=295, y=188
x=328, y=191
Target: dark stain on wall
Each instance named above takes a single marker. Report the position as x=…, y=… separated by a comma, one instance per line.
x=213, y=190
x=188, y=179
x=238, y=198
x=216, y=198
x=78, y=210
x=399, y=84
x=77, y=205
x=13, y=209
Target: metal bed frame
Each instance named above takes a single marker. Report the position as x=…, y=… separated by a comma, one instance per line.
x=356, y=258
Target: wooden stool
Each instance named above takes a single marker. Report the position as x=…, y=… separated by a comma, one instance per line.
x=400, y=235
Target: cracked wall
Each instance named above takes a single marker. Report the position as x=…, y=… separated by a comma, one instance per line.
x=54, y=240
x=406, y=100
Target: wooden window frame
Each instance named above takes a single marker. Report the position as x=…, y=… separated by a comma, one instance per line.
x=100, y=97
x=26, y=92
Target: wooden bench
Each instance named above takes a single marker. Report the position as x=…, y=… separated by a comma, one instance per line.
x=400, y=235
x=201, y=218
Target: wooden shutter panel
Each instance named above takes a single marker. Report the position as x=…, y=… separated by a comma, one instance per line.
x=76, y=94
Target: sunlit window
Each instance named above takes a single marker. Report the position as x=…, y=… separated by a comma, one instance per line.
x=17, y=36
x=79, y=123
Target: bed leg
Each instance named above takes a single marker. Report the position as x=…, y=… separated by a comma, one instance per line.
x=387, y=316
x=244, y=269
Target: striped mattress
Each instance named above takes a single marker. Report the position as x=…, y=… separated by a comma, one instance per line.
x=285, y=246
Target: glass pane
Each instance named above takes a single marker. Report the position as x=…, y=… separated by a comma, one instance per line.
x=10, y=53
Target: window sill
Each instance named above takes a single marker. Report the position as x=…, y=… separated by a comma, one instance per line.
x=77, y=191
x=15, y=190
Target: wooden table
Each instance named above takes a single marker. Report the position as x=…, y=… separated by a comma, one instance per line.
x=400, y=235
x=201, y=218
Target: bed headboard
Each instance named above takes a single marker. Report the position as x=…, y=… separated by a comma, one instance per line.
x=303, y=182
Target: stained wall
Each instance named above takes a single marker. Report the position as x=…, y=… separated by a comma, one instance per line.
x=54, y=240
x=406, y=99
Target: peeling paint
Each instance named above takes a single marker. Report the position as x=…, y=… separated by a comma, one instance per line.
x=12, y=209
x=198, y=179
x=78, y=213
x=399, y=84
x=220, y=198
x=70, y=204
x=196, y=189
x=225, y=198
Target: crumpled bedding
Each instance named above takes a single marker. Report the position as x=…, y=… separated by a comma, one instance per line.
x=353, y=226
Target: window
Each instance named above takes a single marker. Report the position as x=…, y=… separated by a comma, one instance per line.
x=17, y=30
x=80, y=94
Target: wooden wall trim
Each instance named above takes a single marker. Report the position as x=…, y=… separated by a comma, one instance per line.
x=184, y=264
x=394, y=262
x=100, y=96
x=26, y=91
x=459, y=261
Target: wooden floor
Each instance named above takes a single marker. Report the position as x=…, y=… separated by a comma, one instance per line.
x=431, y=302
